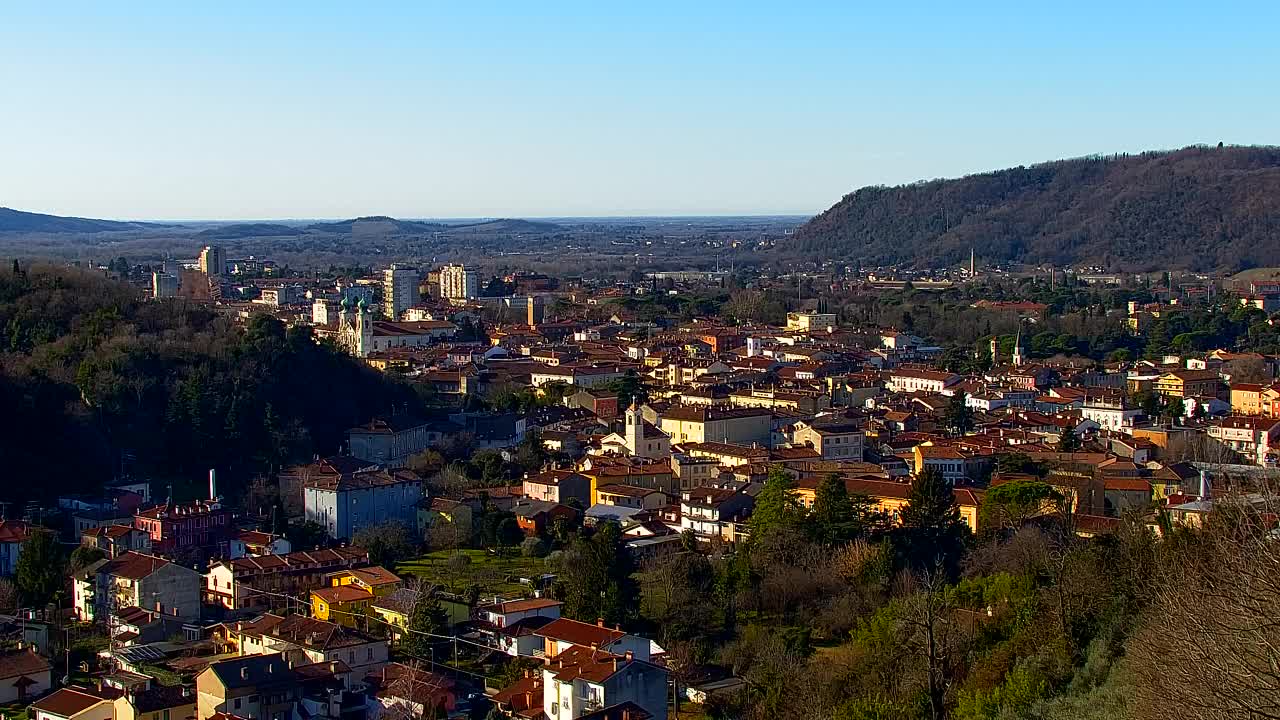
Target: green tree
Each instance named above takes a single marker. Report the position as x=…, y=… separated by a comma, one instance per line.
x=388, y=543
x=959, y=416
x=84, y=556
x=932, y=529
x=1068, y=442
x=776, y=507
x=41, y=568
x=426, y=617
x=596, y=577
x=1012, y=504
x=307, y=536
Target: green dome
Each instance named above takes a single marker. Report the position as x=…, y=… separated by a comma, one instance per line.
x=346, y=302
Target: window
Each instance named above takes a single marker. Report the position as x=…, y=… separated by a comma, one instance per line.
x=252, y=699
x=370, y=656
x=236, y=704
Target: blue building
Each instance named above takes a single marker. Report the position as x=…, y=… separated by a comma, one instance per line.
x=344, y=504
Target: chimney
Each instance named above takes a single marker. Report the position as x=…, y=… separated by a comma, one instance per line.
x=213, y=485
x=599, y=622
x=159, y=608
x=630, y=656
x=244, y=672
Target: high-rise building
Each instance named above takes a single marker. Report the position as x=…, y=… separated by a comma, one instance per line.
x=213, y=261
x=459, y=281
x=163, y=285
x=536, y=311
x=399, y=290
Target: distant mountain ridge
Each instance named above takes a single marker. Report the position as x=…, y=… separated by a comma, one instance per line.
x=20, y=221
x=246, y=230
x=1196, y=208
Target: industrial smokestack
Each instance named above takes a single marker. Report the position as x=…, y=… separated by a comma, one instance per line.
x=213, y=485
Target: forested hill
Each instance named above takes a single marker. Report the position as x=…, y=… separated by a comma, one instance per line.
x=90, y=374
x=1195, y=208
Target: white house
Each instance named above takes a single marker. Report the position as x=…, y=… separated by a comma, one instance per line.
x=927, y=381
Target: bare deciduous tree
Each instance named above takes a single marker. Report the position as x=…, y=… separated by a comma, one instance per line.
x=1210, y=649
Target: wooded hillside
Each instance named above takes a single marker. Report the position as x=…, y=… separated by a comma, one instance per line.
x=1195, y=208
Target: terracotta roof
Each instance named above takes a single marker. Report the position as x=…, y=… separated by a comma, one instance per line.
x=22, y=662
x=341, y=594
x=374, y=576
x=626, y=490
x=66, y=702
x=133, y=565
x=580, y=633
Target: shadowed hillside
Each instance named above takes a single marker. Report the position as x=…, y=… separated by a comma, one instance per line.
x=1201, y=208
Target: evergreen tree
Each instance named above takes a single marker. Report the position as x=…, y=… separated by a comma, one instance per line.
x=426, y=616
x=932, y=529
x=40, y=569
x=1068, y=442
x=832, y=510
x=776, y=506
x=959, y=416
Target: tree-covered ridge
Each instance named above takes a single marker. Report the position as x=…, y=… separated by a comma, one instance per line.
x=95, y=377
x=1199, y=208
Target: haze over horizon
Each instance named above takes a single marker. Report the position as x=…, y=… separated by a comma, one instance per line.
x=327, y=111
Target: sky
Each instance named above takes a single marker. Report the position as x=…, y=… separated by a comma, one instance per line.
x=228, y=110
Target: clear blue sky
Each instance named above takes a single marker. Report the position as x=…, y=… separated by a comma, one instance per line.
x=224, y=110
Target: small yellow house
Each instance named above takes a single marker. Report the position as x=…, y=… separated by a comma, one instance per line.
x=350, y=592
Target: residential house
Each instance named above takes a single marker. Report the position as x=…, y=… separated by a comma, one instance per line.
x=245, y=582
x=512, y=626
x=810, y=321
x=558, y=486
x=156, y=702
x=713, y=513
x=395, y=609
x=255, y=687
x=601, y=403
x=306, y=641
x=563, y=634
x=833, y=440
x=345, y=504
x=13, y=533
x=631, y=496
x=23, y=675
x=585, y=682
x=1251, y=436
x=738, y=426
x=116, y=540
x=140, y=581
x=350, y=593
x=691, y=471
x=253, y=543
x=909, y=380
x=535, y=517
x=187, y=530
x=391, y=441
x=946, y=460
x=73, y=704
x=1188, y=383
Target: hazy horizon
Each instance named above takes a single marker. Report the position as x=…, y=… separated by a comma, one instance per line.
x=169, y=113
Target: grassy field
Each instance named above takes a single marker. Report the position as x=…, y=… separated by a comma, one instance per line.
x=495, y=574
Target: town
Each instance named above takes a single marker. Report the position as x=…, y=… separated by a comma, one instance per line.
x=650, y=495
